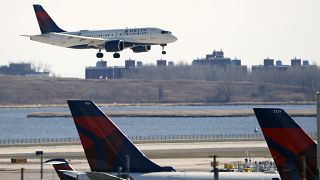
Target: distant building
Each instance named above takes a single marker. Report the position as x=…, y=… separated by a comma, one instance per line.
x=130, y=64
x=278, y=63
x=21, y=69
x=269, y=65
x=139, y=63
x=236, y=62
x=102, y=71
x=161, y=63
x=268, y=62
x=101, y=64
x=217, y=59
x=170, y=63
x=295, y=62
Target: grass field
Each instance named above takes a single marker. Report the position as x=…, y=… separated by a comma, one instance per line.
x=30, y=91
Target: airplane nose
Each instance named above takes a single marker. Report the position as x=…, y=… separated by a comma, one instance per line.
x=173, y=38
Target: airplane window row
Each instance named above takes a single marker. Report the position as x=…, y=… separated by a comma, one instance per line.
x=121, y=34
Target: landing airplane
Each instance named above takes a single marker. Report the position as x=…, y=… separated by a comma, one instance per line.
x=137, y=39
x=294, y=152
x=107, y=150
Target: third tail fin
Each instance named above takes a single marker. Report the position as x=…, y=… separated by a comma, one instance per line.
x=288, y=144
x=61, y=165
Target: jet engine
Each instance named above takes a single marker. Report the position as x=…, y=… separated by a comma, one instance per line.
x=139, y=49
x=114, y=45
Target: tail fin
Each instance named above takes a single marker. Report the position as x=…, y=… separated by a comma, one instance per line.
x=61, y=165
x=288, y=144
x=104, y=144
x=46, y=24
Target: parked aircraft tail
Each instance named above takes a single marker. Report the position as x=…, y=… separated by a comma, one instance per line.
x=105, y=146
x=293, y=151
x=46, y=24
x=61, y=166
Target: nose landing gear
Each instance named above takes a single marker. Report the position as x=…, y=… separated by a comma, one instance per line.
x=163, y=51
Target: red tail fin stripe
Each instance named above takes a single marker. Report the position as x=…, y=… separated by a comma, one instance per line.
x=293, y=139
x=86, y=142
x=42, y=15
x=97, y=125
x=62, y=167
x=278, y=158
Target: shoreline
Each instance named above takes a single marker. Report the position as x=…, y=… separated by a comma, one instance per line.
x=161, y=104
x=177, y=113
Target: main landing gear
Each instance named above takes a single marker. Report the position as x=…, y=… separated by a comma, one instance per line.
x=116, y=55
x=163, y=51
x=100, y=54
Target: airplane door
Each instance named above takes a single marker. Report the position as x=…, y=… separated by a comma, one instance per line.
x=152, y=35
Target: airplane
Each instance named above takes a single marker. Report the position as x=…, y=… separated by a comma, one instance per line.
x=66, y=172
x=109, y=150
x=137, y=39
x=294, y=152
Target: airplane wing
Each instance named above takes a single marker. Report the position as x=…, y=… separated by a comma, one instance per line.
x=89, y=41
x=89, y=175
x=102, y=176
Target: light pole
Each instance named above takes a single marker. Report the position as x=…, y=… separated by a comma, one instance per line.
x=318, y=134
x=40, y=153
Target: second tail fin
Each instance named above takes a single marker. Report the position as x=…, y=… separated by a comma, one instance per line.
x=46, y=24
x=105, y=146
x=288, y=144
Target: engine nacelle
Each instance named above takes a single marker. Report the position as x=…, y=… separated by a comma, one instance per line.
x=114, y=45
x=139, y=49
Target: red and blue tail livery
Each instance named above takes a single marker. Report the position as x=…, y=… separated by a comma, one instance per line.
x=105, y=146
x=293, y=151
x=61, y=166
x=46, y=24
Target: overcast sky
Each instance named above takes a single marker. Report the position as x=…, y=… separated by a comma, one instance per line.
x=250, y=30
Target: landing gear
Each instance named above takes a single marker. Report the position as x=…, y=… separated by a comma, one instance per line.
x=116, y=55
x=163, y=51
x=100, y=54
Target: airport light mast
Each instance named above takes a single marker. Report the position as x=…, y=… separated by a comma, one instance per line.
x=318, y=134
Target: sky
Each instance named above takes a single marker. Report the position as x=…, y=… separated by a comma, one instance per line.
x=250, y=30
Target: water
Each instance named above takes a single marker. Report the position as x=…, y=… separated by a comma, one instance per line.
x=15, y=125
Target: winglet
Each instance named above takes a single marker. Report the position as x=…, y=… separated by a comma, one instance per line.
x=105, y=146
x=288, y=144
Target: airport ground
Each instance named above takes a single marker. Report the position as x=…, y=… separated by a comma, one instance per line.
x=183, y=156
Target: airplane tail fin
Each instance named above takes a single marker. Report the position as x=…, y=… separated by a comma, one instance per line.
x=61, y=165
x=46, y=24
x=105, y=146
x=288, y=144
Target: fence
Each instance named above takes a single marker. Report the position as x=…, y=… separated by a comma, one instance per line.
x=157, y=138
x=28, y=174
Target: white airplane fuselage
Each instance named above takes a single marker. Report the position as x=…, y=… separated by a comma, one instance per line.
x=137, y=39
x=149, y=36
x=190, y=176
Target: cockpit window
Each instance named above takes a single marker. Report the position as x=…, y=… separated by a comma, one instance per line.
x=165, y=32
